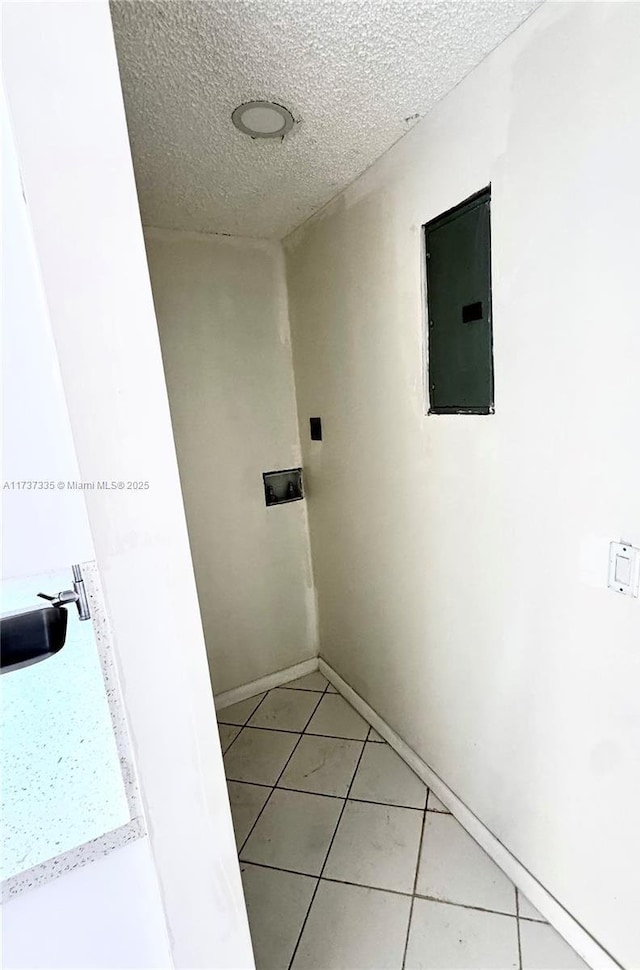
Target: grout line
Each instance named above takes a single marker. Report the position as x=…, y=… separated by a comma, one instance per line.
x=262, y=699
x=415, y=879
x=310, y=734
x=309, y=690
x=243, y=726
x=359, y=801
x=336, y=737
x=380, y=889
x=254, y=784
x=373, y=740
x=328, y=852
x=324, y=794
x=302, y=791
x=273, y=787
x=360, y=885
x=518, y=928
x=331, y=879
x=254, y=727
x=220, y=719
x=284, y=768
x=223, y=749
x=477, y=909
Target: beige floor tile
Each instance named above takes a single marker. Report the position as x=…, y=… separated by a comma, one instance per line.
x=332, y=690
x=239, y=713
x=336, y=718
x=444, y=937
x=374, y=736
x=382, y=776
x=227, y=733
x=294, y=832
x=527, y=911
x=351, y=927
x=323, y=765
x=285, y=710
x=544, y=949
x=376, y=845
x=453, y=867
x=259, y=756
x=246, y=803
x=277, y=903
x=435, y=805
x=315, y=681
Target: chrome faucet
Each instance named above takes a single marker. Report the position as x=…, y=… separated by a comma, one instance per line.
x=77, y=595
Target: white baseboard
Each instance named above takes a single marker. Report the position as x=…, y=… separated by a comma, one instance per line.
x=229, y=697
x=568, y=927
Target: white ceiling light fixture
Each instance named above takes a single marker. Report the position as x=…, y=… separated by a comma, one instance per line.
x=262, y=119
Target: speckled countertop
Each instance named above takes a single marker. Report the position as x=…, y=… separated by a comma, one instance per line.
x=69, y=791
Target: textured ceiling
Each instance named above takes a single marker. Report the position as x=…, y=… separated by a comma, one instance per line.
x=357, y=74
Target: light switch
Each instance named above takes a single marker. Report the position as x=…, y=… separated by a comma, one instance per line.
x=624, y=568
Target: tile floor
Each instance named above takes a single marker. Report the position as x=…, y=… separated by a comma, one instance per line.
x=349, y=862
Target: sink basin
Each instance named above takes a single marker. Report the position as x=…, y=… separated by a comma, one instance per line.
x=28, y=636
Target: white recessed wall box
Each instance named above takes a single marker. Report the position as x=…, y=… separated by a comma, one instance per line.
x=624, y=568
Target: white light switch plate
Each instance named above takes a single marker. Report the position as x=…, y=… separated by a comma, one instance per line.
x=624, y=568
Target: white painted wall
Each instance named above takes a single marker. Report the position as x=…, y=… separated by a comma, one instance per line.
x=222, y=315
x=42, y=528
x=461, y=562
x=108, y=914
x=64, y=95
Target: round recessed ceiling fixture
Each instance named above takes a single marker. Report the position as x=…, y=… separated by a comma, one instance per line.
x=262, y=119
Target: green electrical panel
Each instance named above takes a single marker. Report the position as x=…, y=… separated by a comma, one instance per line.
x=459, y=340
